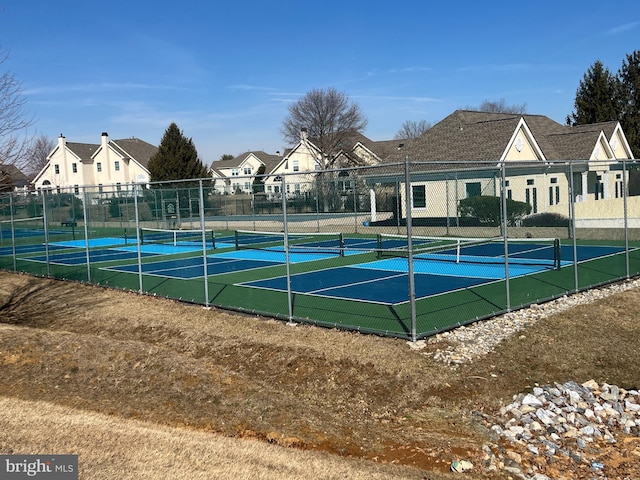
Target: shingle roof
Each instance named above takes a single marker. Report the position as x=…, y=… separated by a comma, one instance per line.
x=136, y=149
x=269, y=160
x=481, y=136
x=84, y=151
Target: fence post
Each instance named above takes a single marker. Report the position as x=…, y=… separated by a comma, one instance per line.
x=138, y=239
x=412, y=286
x=204, y=246
x=85, y=217
x=572, y=226
x=626, y=216
x=285, y=224
x=505, y=233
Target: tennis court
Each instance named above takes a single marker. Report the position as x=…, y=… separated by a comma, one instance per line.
x=435, y=272
x=233, y=261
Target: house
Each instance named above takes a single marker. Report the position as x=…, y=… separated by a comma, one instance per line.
x=302, y=163
x=464, y=152
x=107, y=167
x=238, y=174
x=11, y=178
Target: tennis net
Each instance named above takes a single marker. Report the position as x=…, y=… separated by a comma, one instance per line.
x=521, y=251
x=177, y=238
x=327, y=243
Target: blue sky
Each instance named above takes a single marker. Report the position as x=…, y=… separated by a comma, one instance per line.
x=225, y=71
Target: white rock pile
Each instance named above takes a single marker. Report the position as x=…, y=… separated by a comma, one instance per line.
x=564, y=420
x=464, y=344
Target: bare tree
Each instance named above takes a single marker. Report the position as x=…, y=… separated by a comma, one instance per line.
x=36, y=158
x=411, y=129
x=330, y=120
x=13, y=121
x=500, y=106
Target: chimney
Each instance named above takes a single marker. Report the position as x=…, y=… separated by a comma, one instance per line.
x=303, y=134
x=105, y=140
x=62, y=141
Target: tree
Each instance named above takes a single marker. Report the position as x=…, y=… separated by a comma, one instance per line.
x=258, y=180
x=13, y=121
x=330, y=119
x=629, y=82
x=176, y=159
x=411, y=130
x=596, y=98
x=226, y=156
x=37, y=153
x=500, y=106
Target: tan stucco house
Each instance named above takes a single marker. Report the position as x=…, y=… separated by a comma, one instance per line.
x=107, y=167
x=464, y=153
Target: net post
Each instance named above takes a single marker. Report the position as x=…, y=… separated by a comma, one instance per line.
x=237, y=240
x=557, y=253
x=341, y=243
x=379, y=245
x=213, y=239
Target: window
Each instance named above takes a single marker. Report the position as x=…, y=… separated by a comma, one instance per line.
x=619, y=189
x=296, y=165
x=99, y=167
x=474, y=189
x=56, y=169
x=76, y=189
x=74, y=167
x=116, y=166
x=247, y=170
x=100, y=188
x=599, y=188
x=297, y=188
x=419, y=194
x=554, y=192
x=247, y=186
x=235, y=172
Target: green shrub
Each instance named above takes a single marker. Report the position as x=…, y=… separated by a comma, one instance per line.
x=488, y=209
x=545, y=220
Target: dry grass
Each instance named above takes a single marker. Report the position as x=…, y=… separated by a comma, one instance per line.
x=111, y=448
x=163, y=372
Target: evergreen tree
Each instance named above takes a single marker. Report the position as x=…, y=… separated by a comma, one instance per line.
x=597, y=97
x=629, y=76
x=176, y=159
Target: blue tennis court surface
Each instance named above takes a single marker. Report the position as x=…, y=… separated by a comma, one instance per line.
x=228, y=262
x=386, y=281
x=79, y=257
x=193, y=267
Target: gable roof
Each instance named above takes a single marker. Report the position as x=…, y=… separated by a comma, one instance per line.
x=18, y=179
x=269, y=160
x=482, y=136
x=84, y=151
x=136, y=149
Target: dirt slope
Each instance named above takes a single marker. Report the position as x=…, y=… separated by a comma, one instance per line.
x=359, y=396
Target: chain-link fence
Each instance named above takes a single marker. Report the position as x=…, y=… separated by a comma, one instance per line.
x=405, y=250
